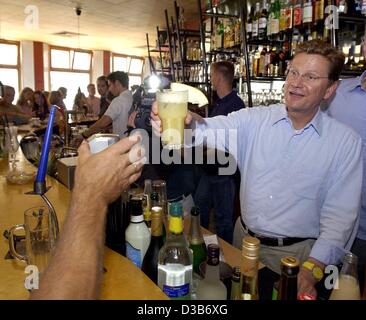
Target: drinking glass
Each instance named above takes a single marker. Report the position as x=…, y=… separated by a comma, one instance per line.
x=39, y=237
x=11, y=142
x=172, y=110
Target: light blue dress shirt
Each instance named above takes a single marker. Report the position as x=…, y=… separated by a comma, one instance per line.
x=349, y=107
x=294, y=183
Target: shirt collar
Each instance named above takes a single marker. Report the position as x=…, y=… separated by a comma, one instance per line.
x=352, y=84
x=280, y=114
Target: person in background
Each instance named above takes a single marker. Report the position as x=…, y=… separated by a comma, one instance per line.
x=117, y=113
x=63, y=92
x=26, y=102
x=213, y=189
x=93, y=102
x=55, y=98
x=76, y=267
x=102, y=87
x=41, y=107
x=13, y=113
x=301, y=170
x=349, y=107
x=80, y=103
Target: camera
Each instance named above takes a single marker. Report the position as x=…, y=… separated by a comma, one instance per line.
x=143, y=98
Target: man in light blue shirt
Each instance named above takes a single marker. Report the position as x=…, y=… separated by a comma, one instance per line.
x=349, y=107
x=301, y=171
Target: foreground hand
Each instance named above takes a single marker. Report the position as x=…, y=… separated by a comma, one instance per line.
x=156, y=121
x=306, y=283
x=103, y=176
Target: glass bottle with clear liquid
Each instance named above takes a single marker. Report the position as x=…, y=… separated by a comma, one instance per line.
x=175, y=262
x=211, y=287
x=347, y=286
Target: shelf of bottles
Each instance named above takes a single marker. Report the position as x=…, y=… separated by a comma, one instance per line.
x=274, y=29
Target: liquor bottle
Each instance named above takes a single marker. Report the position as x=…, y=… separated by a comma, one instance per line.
x=211, y=287
x=269, y=19
x=150, y=261
x=288, y=282
x=351, y=64
x=256, y=21
x=250, y=23
x=237, y=32
x=196, y=241
x=249, y=269
x=262, y=22
x=262, y=62
x=347, y=287
x=275, y=22
x=289, y=15
x=235, y=284
x=137, y=234
x=307, y=13
x=297, y=14
x=175, y=259
x=283, y=16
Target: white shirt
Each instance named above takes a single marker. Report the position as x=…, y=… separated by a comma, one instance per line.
x=118, y=112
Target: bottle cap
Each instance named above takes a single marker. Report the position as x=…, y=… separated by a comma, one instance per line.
x=213, y=254
x=250, y=246
x=176, y=209
x=154, y=196
x=195, y=211
x=136, y=206
x=290, y=262
x=236, y=274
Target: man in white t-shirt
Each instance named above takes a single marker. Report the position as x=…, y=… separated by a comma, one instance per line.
x=117, y=112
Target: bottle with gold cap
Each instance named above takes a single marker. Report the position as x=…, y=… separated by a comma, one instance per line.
x=150, y=262
x=288, y=282
x=249, y=268
x=175, y=259
x=196, y=241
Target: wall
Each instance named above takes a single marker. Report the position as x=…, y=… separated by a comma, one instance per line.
x=97, y=65
x=27, y=64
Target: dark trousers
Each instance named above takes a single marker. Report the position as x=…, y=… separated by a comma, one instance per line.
x=218, y=191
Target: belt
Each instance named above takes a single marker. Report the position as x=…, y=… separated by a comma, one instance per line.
x=272, y=242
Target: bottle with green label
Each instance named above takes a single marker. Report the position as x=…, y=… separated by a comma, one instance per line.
x=175, y=262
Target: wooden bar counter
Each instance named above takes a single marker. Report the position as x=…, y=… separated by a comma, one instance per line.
x=122, y=280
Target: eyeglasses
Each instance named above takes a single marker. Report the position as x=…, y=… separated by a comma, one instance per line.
x=308, y=78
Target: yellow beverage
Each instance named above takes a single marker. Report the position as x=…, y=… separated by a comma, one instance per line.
x=348, y=289
x=172, y=109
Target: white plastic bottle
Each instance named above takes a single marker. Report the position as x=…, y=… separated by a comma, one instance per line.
x=138, y=235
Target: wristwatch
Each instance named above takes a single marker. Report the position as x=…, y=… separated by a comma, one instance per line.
x=315, y=270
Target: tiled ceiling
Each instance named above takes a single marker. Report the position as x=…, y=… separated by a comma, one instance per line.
x=116, y=25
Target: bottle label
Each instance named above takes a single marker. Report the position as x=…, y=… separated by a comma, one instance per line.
x=289, y=18
x=177, y=291
x=297, y=16
x=275, y=26
x=307, y=13
x=249, y=27
x=262, y=23
x=133, y=254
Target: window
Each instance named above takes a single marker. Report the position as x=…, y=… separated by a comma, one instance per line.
x=70, y=68
x=130, y=64
x=9, y=65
